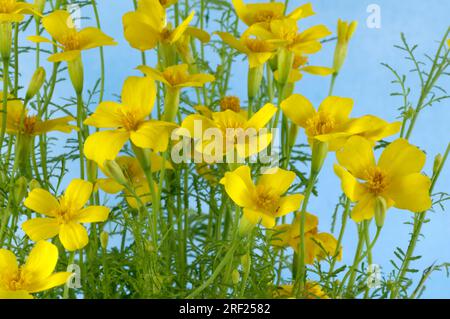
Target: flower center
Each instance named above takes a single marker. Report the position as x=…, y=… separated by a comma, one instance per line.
x=257, y=45
x=71, y=41
x=29, y=124
x=377, y=181
x=265, y=16
x=17, y=281
x=64, y=212
x=266, y=200
x=299, y=61
x=174, y=78
x=6, y=6
x=320, y=123
x=230, y=103
x=130, y=121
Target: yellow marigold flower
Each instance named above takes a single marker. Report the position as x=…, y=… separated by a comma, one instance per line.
x=60, y=26
x=14, y=11
x=64, y=215
x=147, y=26
x=396, y=177
x=128, y=122
x=312, y=291
x=136, y=177
x=177, y=76
x=258, y=51
x=266, y=12
x=252, y=142
x=300, y=65
x=286, y=30
x=345, y=32
x=332, y=123
x=264, y=201
x=19, y=121
x=36, y=275
x=317, y=245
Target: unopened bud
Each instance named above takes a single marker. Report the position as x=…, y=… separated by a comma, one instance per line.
x=36, y=83
x=112, y=169
x=235, y=276
x=34, y=184
x=380, y=211
x=319, y=153
x=76, y=74
x=255, y=76
x=20, y=189
x=245, y=226
x=246, y=262
x=104, y=238
x=345, y=33
x=437, y=164
x=285, y=62
x=5, y=39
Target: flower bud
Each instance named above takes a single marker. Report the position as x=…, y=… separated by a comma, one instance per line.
x=246, y=262
x=293, y=131
x=255, y=76
x=245, y=226
x=20, y=189
x=36, y=83
x=5, y=39
x=76, y=74
x=319, y=153
x=437, y=164
x=114, y=170
x=345, y=32
x=34, y=184
x=235, y=276
x=104, y=238
x=285, y=62
x=380, y=211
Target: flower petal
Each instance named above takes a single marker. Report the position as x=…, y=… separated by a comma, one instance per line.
x=288, y=204
x=298, y=108
x=41, y=228
x=78, y=193
x=8, y=263
x=401, y=158
x=364, y=209
x=262, y=117
x=239, y=186
x=411, y=192
x=41, y=201
x=42, y=260
x=153, y=134
x=105, y=145
x=338, y=107
x=139, y=94
x=351, y=187
x=92, y=214
x=73, y=236
x=107, y=115
x=58, y=24
x=277, y=179
x=91, y=37
x=356, y=156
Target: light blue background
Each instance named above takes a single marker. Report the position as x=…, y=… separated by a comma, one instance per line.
x=364, y=80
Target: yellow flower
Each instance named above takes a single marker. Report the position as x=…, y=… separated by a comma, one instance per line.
x=176, y=76
x=60, y=26
x=247, y=140
x=266, y=12
x=312, y=291
x=136, y=177
x=128, y=122
x=13, y=11
x=258, y=51
x=36, y=275
x=147, y=26
x=317, y=245
x=64, y=215
x=300, y=65
x=332, y=122
x=19, y=121
x=345, y=32
x=287, y=31
x=396, y=177
x=264, y=201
